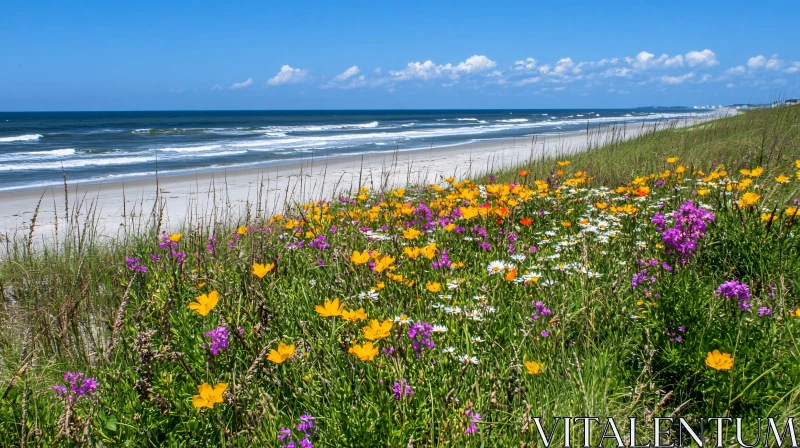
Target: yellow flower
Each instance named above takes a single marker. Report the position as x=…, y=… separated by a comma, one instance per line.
x=176, y=237
x=242, y=230
x=411, y=233
x=330, y=308
x=450, y=180
x=429, y=251
x=208, y=395
x=283, y=353
x=433, y=286
x=377, y=330
x=749, y=199
x=359, y=257
x=534, y=368
x=399, y=192
x=449, y=227
x=767, y=217
x=566, y=224
x=672, y=159
x=791, y=211
x=468, y=212
x=260, y=270
x=383, y=262
x=411, y=252
x=756, y=172
x=719, y=361
x=562, y=163
x=795, y=313
x=354, y=315
x=797, y=164
x=782, y=179
x=205, y=303
x=366, y=352
x=703, y=192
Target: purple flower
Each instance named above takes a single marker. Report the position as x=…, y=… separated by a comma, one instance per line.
x=135, y=265
x=764, y=311
x=690, y=227
x=219, y=339
x=444, y=261
x=541, y=310
x=735, y=289
x=306, y=423
x=420, y=335
x=485, y=246
x=545, y=333
x=640, y=278
x=76, y=386
x=401, y=390
x=472, y=418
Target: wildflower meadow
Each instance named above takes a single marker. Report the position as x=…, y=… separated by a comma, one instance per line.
x=655, y=278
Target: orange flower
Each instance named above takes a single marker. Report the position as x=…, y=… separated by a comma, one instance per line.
x=719, y=361
x=283, y=353
x=330, y=308
x=433, y=286
x=209, y=396
x=524, y=173
x=642, y=191
x=366, y=352
x=512, y=274
x=377, y=330
x=526, y=221
x=354, y=315
x=359, y=257
x=205, y=303
x=260, y=270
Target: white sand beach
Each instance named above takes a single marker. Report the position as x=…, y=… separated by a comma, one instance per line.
x=262, y=191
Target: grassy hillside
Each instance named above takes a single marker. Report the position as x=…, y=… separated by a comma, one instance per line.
x=652, y=277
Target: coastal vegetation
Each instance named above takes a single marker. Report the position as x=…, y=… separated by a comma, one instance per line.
x=654, y=277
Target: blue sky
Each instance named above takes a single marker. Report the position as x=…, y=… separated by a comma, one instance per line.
x=111, y=55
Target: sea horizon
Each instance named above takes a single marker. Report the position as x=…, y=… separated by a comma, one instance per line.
x=94, y=147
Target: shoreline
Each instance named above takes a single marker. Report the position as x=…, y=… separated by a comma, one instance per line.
x=265, y=189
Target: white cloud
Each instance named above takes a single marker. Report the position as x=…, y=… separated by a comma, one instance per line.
x=774, y=63
x=562, y=67
x=350, y=72
x=756, y=62
x=794, y=68
x=677, y=79
x=730, y=85
x=704, y=78
x=377, y=70
x=544, y=69
x=475, y=64
x=216, y=87
x=705, y=58
x=428, y=70
x=526, y=64
x=528, y=81
x=623, y=72
x=676, y=61
x=421, y=70
x=642, y=61
x=288, y=75
x=243, y=84
x=738, y=70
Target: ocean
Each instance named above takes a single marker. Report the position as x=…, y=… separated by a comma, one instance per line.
x=112, y=146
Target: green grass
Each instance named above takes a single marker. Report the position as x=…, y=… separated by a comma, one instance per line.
x=78, y=307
